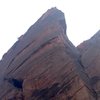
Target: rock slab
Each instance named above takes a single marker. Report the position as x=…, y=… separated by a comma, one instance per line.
x=44, y=65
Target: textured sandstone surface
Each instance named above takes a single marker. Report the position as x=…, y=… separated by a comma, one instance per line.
x=44, y=65
x=90, y=58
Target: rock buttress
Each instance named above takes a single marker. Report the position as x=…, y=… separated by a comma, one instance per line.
x=90, y=58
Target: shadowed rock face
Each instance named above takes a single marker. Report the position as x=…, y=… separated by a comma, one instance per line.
x=44, y=65
x=90, y=58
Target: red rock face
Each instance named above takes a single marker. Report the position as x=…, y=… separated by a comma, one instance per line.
x=44, y=65
x=90, y=55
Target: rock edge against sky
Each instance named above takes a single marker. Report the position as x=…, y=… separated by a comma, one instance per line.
x=44, y=65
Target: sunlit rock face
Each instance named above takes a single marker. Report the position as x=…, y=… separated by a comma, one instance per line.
x=44, y=65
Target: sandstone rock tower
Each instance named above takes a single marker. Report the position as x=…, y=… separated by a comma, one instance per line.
x=44, y=65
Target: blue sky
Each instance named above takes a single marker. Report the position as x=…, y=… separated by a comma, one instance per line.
x=16, y=16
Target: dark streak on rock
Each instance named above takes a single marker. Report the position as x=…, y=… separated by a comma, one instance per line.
x=94, y=80
x=35, y=51
x=69, y=97
x=19, y=52
x=15, y=82
x=48, y=93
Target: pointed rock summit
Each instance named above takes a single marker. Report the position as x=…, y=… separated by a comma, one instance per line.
x=44, y=65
